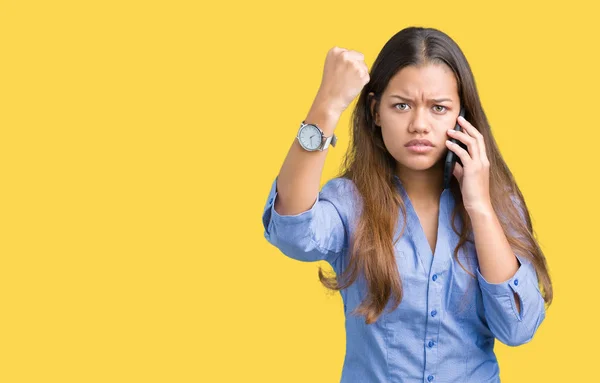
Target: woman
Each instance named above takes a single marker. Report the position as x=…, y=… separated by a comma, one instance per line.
x=429, y=276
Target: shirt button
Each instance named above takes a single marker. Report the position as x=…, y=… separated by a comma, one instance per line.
x=430, y=344
x=516, y=282
x=434, y=277
x=433, y=313
x=430, y=378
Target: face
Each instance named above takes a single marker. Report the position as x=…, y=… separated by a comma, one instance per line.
x=419, y=103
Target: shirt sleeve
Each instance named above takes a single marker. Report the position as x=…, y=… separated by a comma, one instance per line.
x=509, y=325
x=319, y=233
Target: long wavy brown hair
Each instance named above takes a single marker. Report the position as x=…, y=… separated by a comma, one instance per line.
x=372, y=168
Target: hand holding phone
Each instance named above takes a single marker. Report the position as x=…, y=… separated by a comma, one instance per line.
x=451, y=157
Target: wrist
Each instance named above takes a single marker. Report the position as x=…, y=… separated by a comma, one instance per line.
x=324, y=116
x=330, y=104
x=483, y=210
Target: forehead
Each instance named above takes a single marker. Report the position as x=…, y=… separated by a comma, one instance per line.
x=429, y=80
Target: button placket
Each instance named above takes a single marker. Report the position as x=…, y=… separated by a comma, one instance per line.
x=435, y=291
x=434, y=299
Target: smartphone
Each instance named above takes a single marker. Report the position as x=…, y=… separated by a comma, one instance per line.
x=451, y=157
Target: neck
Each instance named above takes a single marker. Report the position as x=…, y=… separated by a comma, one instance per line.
x=423, y=187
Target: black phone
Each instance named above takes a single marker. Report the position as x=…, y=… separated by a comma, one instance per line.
x=451, y=157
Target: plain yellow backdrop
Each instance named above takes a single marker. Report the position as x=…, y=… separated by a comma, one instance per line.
x=139, y=140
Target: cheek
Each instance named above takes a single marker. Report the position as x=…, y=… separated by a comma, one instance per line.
x=393, y=138
x=393, y=127
x=391, y=134
x=391, y=118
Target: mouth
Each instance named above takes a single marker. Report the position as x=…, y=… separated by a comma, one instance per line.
x=420, y=142
x=419, y=148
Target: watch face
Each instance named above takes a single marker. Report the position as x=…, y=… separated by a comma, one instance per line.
x=310, y=137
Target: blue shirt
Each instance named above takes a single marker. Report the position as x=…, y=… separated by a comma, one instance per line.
x=444, y=328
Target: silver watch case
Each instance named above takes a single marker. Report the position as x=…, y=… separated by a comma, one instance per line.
x=325, y=141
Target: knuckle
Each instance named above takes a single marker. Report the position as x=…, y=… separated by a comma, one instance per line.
x=337, y=51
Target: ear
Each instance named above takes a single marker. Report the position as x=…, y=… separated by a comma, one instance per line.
x=372, y=106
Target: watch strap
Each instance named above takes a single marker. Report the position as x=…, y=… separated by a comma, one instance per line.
x=327, y=141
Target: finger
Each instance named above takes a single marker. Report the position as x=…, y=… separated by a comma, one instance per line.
x=468, y=127
x=353, y=55
x=469, y=141
x=339, y=49
x=359, y=56
x=460, y=152
x=473, y=132
x=364, y=65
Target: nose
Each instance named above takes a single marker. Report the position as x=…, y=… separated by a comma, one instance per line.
x=418, y=123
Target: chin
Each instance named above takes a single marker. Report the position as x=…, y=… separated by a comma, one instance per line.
x=418, y=163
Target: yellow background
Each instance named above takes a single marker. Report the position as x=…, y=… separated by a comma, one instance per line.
x=138, y=144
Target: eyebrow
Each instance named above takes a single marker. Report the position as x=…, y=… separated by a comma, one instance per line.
x=433, y=99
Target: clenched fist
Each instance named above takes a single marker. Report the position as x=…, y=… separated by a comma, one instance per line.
x=344, y=76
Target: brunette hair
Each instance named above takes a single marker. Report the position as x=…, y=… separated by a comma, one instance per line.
x=372, y=169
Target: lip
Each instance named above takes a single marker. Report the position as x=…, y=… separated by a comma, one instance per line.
x=419, y=146
x=419, y=142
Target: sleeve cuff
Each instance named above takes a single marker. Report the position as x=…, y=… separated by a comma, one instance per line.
x=514, y=284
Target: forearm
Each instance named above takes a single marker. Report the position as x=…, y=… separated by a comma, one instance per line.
x=299, y=179
x=497, y=261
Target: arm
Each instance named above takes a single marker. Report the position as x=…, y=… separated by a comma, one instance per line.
x=300, y=175
x=303, y=223
x=344, y=75
x=514, y=306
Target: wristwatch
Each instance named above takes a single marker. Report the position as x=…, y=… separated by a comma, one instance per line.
x=312, y=138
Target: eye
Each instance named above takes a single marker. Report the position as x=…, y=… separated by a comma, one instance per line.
x=402, y=103
x=440, y=106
